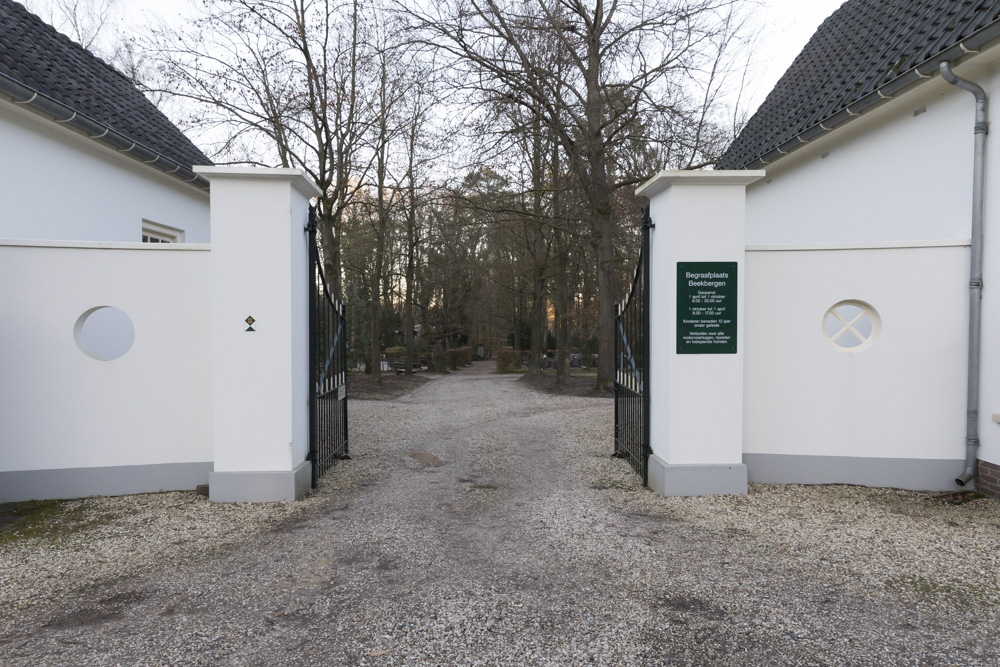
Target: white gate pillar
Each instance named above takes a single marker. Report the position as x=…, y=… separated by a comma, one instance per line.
x=260, y=335
x=696, y=331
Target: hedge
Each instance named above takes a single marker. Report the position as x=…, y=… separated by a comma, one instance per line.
x=508, y=360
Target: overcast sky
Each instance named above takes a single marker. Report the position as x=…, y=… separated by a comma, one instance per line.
x=786, y=26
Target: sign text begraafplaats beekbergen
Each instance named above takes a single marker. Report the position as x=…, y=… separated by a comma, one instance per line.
x=706, y=307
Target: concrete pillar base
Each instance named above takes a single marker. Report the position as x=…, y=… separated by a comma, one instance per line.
x=260, y=486
x=696, y=480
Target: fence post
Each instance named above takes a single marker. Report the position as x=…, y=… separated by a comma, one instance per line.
x=695, y=261
x=647, y=225
x=343, y=356
x=260, y=356
x=618, y=362
x=313, y=379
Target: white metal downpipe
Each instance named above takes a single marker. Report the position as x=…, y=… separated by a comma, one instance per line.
x=976, y=268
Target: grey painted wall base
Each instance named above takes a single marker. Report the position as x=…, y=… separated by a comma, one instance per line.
x=696, y=480
x=18, y=485
x=260, y=486
x=913, y=474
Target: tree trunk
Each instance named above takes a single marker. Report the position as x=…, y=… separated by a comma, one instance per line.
x=411, y=243
x=562, y=309
x=600, y=196
x=605, y=310
x=539, y=327
x=374, y=303
x=538, y=323
x=562, y=274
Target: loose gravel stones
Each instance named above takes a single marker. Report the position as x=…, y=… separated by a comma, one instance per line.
x=480, y=522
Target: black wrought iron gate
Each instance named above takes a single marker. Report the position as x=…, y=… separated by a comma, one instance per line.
x=632, y=364
x=327, y=367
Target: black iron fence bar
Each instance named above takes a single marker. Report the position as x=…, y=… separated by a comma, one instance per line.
x=336, y=316
x=647, y=450
x=617, y=364
x=628, y=352
x=343, y=374
x=638, y=273
x=323, y=285
x=326, y=377
x=311, y=286
x=327, y=367
x=632, y=344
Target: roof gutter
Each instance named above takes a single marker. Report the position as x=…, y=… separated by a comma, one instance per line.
x=982, y=129
x=925, y=70
x=25, y=96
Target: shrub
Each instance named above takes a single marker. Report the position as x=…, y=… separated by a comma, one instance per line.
x=398, y=352
x=508, y=360
x=439, y=362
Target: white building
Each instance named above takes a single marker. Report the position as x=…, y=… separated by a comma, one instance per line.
x=113, y=373
x=853, y=252
x=89, y=168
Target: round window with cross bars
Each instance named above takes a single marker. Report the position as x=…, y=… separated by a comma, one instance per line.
x=851, y=326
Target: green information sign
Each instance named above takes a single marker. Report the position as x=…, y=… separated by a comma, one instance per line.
x=706, y=307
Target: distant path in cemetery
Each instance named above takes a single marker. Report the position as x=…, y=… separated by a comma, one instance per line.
x=481, y=522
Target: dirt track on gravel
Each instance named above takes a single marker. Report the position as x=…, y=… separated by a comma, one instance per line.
x=481, y=522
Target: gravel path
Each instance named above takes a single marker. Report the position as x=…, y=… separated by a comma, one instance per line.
x=480, y=522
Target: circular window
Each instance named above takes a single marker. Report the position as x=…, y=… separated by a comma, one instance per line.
x=851, y=326
x=104, y=333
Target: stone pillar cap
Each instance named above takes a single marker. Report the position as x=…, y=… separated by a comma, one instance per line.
x=665, y=179
x=297, y=177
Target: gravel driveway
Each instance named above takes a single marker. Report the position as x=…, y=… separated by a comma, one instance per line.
x=480, y=522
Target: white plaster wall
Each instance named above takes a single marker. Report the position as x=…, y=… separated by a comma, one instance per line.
x=59, y=407
x=902, y=178
x=898, y=180
x=902, y=397
x=299, y=299
x=247, y=436
x=57, y=185
x=260, y=269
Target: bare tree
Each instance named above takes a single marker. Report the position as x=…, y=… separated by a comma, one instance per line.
x=419, y=107
x=97, y=25
x=83, y=21
x=393, y=85
x=622, y=60
x=277, y=81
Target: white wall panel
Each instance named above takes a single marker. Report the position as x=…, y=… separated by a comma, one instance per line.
x=901, y=397
x=906, y=177
x=56, y=184
x=61, y=408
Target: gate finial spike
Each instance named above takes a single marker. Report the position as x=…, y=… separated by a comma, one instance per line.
x=311, y=225
x=647, y=221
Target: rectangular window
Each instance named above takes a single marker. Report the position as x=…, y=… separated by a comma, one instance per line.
x=154, y=232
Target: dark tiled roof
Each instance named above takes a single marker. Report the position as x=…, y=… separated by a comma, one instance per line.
x=37, y=56
x=864, y=46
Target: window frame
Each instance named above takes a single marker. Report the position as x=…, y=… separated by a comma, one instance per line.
x=154, y=232
x=848, y=326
